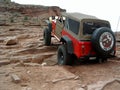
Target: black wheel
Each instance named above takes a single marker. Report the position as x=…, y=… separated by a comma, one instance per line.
x=63, y=56
x=47, y=37
x=50, y=26
x=103, y=41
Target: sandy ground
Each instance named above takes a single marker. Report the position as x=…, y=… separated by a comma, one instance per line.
x=36, y=64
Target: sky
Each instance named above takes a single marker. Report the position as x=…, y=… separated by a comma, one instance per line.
x=103, y=9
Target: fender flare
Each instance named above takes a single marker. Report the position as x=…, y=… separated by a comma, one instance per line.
x=69, y=44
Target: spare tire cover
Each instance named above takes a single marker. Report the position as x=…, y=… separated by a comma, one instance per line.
x=103, y=41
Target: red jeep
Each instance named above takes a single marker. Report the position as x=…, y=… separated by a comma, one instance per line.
x=82, y=37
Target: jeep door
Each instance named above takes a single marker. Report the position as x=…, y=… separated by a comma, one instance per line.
x=59, y=27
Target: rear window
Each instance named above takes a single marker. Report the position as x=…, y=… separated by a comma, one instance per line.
x=90, y=27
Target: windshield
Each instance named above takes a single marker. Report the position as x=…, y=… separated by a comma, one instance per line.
x=90, y=27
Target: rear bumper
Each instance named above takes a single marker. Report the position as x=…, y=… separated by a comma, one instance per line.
x=87, y=57
x=92, y=57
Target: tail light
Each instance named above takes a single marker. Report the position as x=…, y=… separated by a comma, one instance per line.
x=83, y=49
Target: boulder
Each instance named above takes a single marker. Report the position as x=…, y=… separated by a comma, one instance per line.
x=15, y=78
x=11, y=41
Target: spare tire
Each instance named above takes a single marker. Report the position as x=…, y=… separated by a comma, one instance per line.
x=103, y=41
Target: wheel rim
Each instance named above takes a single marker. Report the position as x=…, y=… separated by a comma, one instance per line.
x=106, y=41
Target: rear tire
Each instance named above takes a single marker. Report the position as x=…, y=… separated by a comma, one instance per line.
x=47, y=37
x=63, y=57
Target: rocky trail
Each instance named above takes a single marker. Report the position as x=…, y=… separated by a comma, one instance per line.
x=29, y=45
x=26, y=64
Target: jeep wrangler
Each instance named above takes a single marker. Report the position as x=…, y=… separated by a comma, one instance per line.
x=82, y=37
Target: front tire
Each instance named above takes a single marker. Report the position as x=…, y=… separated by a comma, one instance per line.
x=63, y=56
x=47, y=37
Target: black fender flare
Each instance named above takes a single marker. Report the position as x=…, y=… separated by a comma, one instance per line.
x=69, y=44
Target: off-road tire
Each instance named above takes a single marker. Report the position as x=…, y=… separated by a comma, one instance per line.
x=47, y=37
x=50, y=27
x=103, y=41
x=62, y=55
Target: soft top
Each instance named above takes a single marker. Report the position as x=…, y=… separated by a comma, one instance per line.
x=79, y=16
